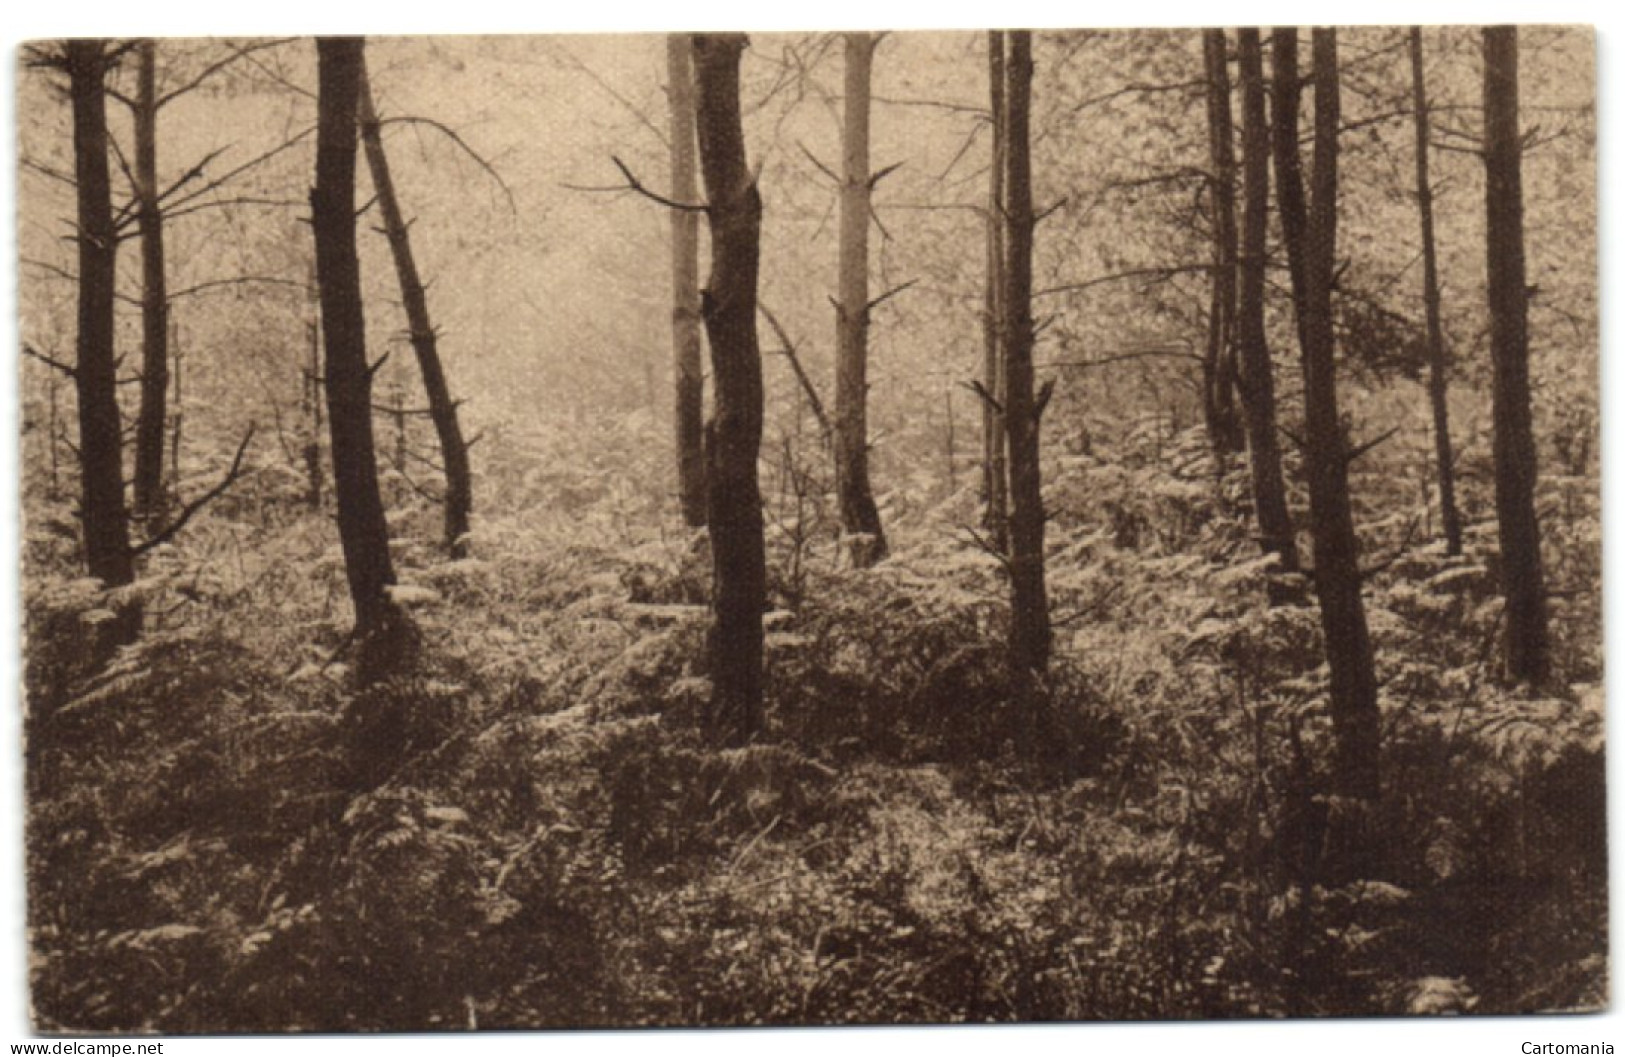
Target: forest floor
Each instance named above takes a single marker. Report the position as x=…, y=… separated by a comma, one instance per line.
x=554, y=839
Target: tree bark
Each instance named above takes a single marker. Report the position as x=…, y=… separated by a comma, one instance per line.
x=1355, y=716
x=1522, y=577
x=1437, y=365
x=150, y=421
x=382, y=632
x=860, y=518
x=734, y=434
x=995, y=472
x=102, y=510
x=1219, y=366
x=1030, y=627
x=1257, y=378
x=459, y=498
x=687, y=369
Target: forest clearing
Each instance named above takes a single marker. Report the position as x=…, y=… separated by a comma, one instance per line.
x=811, y=528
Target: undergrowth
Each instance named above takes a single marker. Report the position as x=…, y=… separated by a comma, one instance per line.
x=555, y=840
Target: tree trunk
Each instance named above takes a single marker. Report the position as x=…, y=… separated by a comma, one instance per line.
x=860, y=519
x=149, y=430
x=734, y=434
x=687, y=369
x=382, y=633
x=1355, y=717
x=1219, y=367
x=312, y=390
x=459, y=500
x=1257, y=379
x=1430, y=297
x=106, y=520
x=995, y=472
x=1030, y=628
x=1522, y=578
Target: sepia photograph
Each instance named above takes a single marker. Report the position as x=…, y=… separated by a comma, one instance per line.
x=809, y=528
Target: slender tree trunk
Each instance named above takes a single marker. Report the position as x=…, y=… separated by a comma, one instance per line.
x=995, y=472
x=149, y=430
x=687, y=370
x=860, y=519
x=1522, y=577
x=383, y=633
x=1029, y=603
x=177, y=421
x=459, y=500
x=1355, y=717
x=1219, y=367
x=1257, y=378
x=102, y=511
x=313, y=376
x=734, y=434
x=1286, y=91
x=1437, y=365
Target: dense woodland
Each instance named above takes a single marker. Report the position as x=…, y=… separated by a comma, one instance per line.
x=838, y=527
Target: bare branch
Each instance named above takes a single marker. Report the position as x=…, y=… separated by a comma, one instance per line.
x=1041, y=401
x=975, y=386
x=1355, y=453
x=236, y=280
x=29, y=350
x=452, y=135
x=883, y=173
x=825, y=169
x=238, y=51
x=1162, y=274
x=636, y=185
x=789, y=352
x=169, y=531
x=888, y=295
x=1123, y=357
x=46, y=170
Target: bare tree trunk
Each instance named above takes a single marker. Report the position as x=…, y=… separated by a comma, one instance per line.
x=1355, y=717
x=459, y=499
x=1029, y=603
x=685, y=285
x=1522, y=577
x=383, y=632
x=734, y=434
x=860, y=518
x=995, y=472
x=149, y=430
x=313, y=375
x=108, y=557
x=177, y=421
x=1219, y=366
x=1437, y=365
x=1257, y=379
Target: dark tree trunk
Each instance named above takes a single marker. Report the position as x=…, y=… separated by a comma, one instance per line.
x=383, y=633
x=734, y=434
x=1219, y=366
x=860, y=519
x=1029, y=604
x=687, y=369
x=1355, y=717
x=1522, y=578
x=1437, y=365
x=102, y=511
x=995, y=472
x=149, y=430
x=1257, y=379
x=459, y=499
x=1286, y=91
